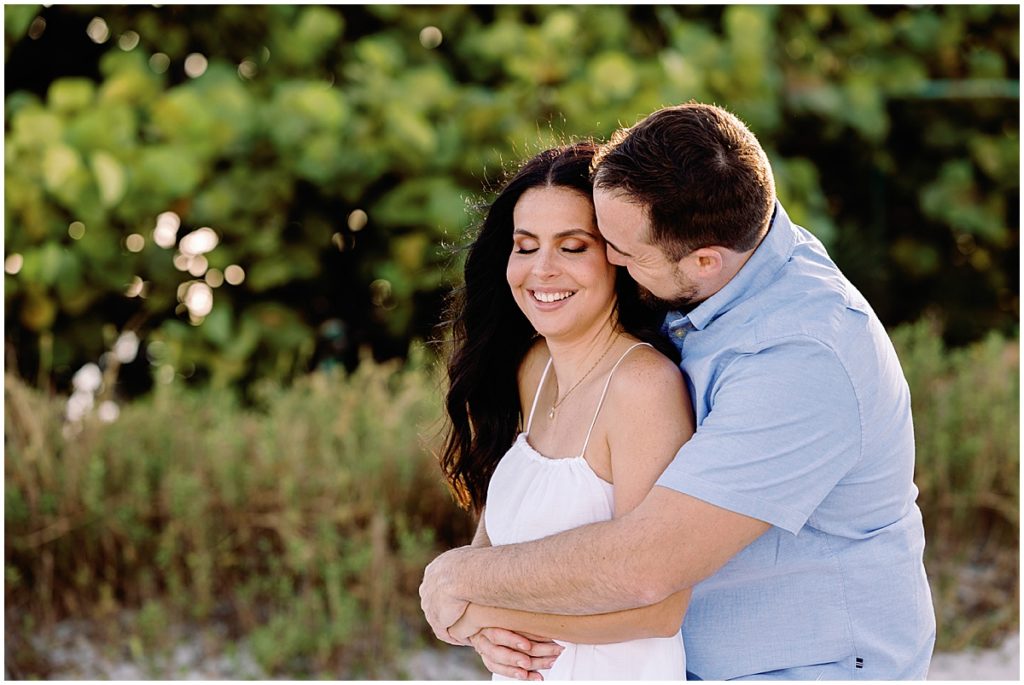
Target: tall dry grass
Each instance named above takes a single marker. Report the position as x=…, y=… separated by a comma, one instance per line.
x=304, y=523
x=966, y=405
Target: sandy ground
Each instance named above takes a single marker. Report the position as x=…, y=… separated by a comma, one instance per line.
x=1002, y=663
x=76, y=650
x=73, y=656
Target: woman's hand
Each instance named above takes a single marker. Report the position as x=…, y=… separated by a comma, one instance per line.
x=513, y=655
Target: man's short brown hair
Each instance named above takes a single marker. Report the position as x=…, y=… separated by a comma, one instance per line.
x=700, y=175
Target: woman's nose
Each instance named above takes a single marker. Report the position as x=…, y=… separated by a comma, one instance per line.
x=544, y=264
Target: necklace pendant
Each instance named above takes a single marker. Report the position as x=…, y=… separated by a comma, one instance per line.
x=551, y=413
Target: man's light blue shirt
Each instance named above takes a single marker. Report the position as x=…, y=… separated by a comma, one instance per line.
x=803, y=421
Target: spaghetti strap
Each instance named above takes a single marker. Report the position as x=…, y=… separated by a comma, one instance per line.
x=603, y=393
x=536, y=395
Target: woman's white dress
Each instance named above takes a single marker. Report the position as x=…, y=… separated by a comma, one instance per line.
x=531, y=496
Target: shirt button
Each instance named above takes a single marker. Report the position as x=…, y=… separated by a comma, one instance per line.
x=679, y=333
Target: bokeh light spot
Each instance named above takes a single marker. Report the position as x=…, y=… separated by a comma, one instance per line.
x=182, y=261
x=135, y=288
x=166, y=232
x=135, y=242
x=13, y=263
x=380, y=293
x=79, y=405
x=35, y=30
x=234, y=274
x=247, y=69
x=128, y=41
x=199, y=241
x=195, y=65
x=97, y=30
x=430, y=37
x=198, y=266
x=357, y=220
x=159, y=62
x=214, y=278
x=199, y=299
x=127, y=347
x=88, y=378
x=108, y=411
x=76, y=230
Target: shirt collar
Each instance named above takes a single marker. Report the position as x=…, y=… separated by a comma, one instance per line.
x=773, y=252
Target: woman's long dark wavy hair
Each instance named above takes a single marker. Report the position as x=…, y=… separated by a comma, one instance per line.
x=491, y=336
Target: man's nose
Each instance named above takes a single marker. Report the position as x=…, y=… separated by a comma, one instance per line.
x=614, y=257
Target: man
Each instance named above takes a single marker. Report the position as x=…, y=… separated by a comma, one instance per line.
x=791, y=512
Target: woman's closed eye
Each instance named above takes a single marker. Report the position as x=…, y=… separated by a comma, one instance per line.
x=570, y=246
x=570, y=250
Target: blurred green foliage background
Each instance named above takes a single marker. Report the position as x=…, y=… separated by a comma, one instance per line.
x=203, y=204
x=334, y=152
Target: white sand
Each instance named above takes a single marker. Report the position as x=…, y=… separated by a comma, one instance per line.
x=75, y=656
x=1001, y=663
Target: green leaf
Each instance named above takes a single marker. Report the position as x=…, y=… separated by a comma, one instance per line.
x=35, y=127
x=168, y=171
x=43, y=264
x=65, y=176
x=110, y=177
x=433, y=203
x=217, y=326
x=70, y=95
x=109, y=127
x=17, y=19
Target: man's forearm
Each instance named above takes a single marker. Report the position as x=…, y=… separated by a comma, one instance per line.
x=669, y=543
x=586, y=570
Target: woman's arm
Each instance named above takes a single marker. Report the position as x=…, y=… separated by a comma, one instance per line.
x=652, y=419
x=658, y=620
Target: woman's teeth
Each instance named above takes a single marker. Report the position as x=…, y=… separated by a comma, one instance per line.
x=553, y=297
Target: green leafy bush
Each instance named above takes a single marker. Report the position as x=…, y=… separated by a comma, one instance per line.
x=333, y=150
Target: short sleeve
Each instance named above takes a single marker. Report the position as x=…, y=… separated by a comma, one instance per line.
x=784, y=426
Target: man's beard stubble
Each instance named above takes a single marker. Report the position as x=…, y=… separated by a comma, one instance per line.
x=683, y=302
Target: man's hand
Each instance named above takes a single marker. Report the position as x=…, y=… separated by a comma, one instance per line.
x=513, y=655
x=441, y=608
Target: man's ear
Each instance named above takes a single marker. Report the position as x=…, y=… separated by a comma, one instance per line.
x=705, y=262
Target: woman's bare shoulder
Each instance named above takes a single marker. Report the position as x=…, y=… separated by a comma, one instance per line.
x=649, y=409
x=645, y=377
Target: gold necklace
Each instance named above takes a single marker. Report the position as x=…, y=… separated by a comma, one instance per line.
x=558, y=402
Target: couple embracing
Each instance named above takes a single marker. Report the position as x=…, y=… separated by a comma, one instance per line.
x=696, y=466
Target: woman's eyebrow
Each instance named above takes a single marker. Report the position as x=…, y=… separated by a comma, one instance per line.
x=561, y=234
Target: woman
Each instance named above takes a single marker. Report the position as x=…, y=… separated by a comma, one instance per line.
x=561, y=411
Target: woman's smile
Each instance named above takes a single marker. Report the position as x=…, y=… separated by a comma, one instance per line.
x=551, y=297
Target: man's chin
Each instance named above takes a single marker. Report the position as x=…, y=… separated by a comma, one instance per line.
x=684, y=300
